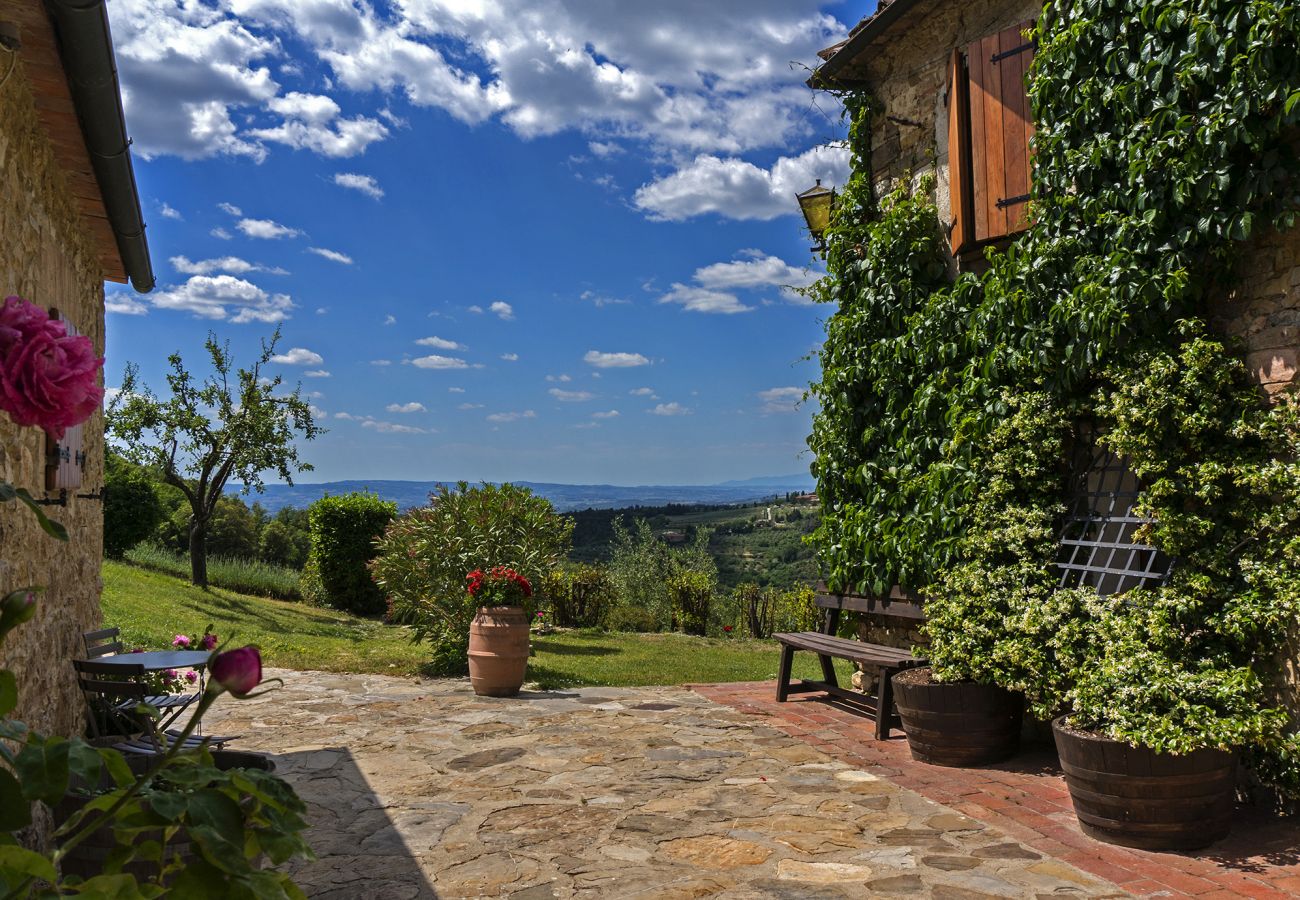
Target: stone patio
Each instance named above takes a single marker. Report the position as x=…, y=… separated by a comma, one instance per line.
x=425, y=790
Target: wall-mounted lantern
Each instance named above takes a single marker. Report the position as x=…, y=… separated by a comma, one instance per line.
x=816, y=203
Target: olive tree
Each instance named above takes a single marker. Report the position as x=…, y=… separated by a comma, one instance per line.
x=234, y=425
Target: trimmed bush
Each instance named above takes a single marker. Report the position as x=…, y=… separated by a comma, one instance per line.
x=344, y=532
x=579, y=596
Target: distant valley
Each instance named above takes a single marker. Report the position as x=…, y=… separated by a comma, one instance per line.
x=564, y=497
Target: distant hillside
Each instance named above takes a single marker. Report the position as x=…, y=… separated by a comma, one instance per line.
x=565, y=497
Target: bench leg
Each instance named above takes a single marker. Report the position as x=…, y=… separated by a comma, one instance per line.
x=828, y=670
x=783, y=674
x=884, y=704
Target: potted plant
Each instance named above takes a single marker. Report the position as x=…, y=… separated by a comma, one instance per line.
x=498, y=636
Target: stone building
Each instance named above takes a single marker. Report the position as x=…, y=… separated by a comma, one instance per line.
x=69, y=220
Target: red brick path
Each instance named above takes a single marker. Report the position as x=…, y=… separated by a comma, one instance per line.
x=1026, y=799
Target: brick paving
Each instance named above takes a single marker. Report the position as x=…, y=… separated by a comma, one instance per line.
x=1026, y=799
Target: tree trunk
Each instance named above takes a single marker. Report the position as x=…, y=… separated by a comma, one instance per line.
x=199, y=551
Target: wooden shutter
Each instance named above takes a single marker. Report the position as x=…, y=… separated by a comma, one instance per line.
x=960, y=200
x=1000, y=129
x=65, y=460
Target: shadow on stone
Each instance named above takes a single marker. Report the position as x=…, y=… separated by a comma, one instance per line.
x=358, y=840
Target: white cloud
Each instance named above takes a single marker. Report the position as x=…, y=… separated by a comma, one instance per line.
x=331, y=255
x=511, y=416
x=755, y=269
x=642, y=392
x=702, y=300
x=411, y=407
x=381, y=362
x=570, y=396
x=603, y=360
x=502, y=310
x=600, y=300
x=736, y=189
x=317, y=373
x=608, y=414
x=477, y=310
x=298, y=356
x=390, y=319
x=363, y=183
x=670, y=409
x=230, y=209
x=563, y=379
x=318, y=412
x=322, y=310
x=221, y=234
x=222, y=297
x=312, y=122
x=124, y=304
x=167, y=211
x=470, y=406
x=266, y=229
x=439, y=362
x=781, y=399
x=392, y=427
x=231, y=264
x=455, y=390
x=510, y=357
x=347, y=417
x=439, y=343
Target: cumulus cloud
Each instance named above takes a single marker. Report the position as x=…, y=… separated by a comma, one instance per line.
x=390, y=319
x=510, y=357
x=476, y=310
x=570, y=396
x=737, y=189
x=642, y=392
x=703, y=300
x=470, y=406
x=230, y=209
x=781, y=399
x=603, y=360
x=411, y=407
x=439, y=362
x=381, y=362
x=224, y=297
x=560, y=378
x=511, y=416
x=439, y=343
x=317, y=373
x=392, y=427
x=332, y=255
x=266, y=229
x=298, y=356
x=312, y=122
x=221, y=234
x=363, y=183
x=125, y=304
x=231, y=264
x=455, y=390
x=608, y=414
x=755, y=269
x=502, y=310
x=670, y=409
x=600, y=300
x=167, y=211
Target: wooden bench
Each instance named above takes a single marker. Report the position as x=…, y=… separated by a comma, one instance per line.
x=886, y=661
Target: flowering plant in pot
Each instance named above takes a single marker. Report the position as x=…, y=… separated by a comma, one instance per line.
x=498, y=636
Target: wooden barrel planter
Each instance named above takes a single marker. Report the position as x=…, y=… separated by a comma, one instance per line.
x=87, y=858
x=1137, y=797
x=498, y=650
x=957, y=723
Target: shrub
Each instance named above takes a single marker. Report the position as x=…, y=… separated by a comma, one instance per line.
x=131, y=508
x=691, y=593
x=344, y=531
x=631, y=618
x=641, y=567
x=795, y=609
x=246, y=576
x=425, y=555
x=579, y=596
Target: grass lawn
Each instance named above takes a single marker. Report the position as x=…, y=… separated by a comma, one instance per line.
x=151, y=607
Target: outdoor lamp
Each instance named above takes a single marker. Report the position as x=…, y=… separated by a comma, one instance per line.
x=816, y=203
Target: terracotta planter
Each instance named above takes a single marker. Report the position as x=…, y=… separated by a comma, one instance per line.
x=959, y=723
x=1136, y=797
x=498, y=650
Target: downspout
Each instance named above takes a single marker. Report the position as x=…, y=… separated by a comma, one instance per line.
x=87, y=51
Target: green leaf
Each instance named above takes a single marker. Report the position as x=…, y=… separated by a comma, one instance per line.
x=42, y=766
x=50, y=527
x=116, y=887
x=27, y=863
x=15, y=810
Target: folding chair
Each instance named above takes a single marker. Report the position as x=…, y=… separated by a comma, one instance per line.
x=108, y=642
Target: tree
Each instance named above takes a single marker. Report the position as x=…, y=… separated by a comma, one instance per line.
x=233, y=426
x=131, y=507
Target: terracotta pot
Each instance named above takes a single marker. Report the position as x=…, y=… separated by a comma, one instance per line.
x=959, y=723
x=498, y=650
x=1136, y=797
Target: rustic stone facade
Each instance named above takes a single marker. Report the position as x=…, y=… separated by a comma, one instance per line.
x=47, y=257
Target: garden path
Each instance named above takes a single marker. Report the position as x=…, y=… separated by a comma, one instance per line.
x=425, y=790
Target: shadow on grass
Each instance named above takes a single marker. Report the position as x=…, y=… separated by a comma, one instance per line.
x=544, y=646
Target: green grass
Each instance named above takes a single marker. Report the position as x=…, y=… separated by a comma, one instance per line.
x=150, y=607
x=248, y=576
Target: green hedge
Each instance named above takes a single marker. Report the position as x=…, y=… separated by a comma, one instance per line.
x=344, y=530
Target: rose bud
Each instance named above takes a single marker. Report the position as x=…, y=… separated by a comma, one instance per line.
x=208, y=641
x=238, y=671
x=15, y=609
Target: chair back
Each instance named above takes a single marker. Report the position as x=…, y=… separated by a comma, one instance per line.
x=104, y=642
x=112, y=695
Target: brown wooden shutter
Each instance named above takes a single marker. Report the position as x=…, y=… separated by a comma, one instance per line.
x=65, y=460
x=961, y=233
x=1000, y=131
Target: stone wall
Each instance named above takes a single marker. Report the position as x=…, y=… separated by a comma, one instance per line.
x=47, y=258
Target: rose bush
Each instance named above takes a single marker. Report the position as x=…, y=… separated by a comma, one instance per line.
x=48, y=377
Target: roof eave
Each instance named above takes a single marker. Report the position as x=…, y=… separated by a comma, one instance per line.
x=827, y=75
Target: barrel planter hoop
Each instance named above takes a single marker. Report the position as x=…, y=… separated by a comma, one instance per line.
x=1137, y=797
x=498, y=650
x=957, y=723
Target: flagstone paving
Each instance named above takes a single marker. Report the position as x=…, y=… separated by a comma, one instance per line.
x=425, y=790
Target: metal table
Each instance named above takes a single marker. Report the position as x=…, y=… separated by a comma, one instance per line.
x=159, y=660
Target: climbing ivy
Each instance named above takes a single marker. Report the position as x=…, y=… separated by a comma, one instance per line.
x=1165, y=137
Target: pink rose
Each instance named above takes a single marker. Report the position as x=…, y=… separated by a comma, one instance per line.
x=48, y=378
x=180, y=641
x=171, y=674
x=238, y=671
x=208, y=641
x=191, y=676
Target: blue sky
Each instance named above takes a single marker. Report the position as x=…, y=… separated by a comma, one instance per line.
x=547, y=241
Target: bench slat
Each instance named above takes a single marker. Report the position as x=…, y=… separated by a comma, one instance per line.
x=847, y=648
